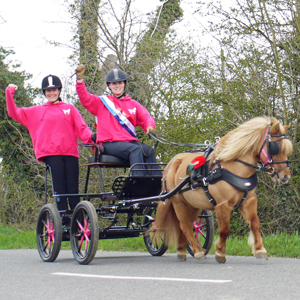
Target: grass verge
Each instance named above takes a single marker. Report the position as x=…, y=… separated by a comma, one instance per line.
x=279, y=245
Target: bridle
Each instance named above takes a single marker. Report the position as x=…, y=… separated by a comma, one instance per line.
x=273, y=149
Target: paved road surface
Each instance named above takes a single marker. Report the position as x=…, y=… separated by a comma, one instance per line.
x=139, y=276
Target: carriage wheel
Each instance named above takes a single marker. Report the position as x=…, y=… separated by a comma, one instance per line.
x=203, y=228
x=49, y=233
x=154, y=241
x=84, y=232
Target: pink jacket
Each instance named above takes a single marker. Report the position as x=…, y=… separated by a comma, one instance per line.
x=53, y=128
x=108, y=128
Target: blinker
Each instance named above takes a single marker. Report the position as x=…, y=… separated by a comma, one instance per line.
x=274, y=148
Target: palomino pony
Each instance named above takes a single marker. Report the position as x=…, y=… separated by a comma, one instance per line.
x=231, y=181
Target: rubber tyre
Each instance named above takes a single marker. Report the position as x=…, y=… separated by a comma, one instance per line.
x=154, y=241
x=49, y=233
x=204, y=231
x=84, y=232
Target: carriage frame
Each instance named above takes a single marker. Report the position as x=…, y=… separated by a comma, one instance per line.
x=131, y=196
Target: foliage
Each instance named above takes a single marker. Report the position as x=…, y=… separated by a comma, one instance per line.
x=195, y=94
x=21, y=183
x=258, y=68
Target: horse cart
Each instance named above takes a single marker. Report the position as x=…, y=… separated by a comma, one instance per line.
x=132, y=199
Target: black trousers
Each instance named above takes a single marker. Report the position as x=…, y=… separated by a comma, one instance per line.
x=134, y=152
x=65, y=176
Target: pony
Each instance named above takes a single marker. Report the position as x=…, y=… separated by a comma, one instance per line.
x=230, y=181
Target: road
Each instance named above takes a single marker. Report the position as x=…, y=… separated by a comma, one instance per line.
x=136, y=276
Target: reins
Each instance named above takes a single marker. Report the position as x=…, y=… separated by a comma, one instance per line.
x=166, y=142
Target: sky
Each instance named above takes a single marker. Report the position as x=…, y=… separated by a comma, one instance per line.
x=27, y=27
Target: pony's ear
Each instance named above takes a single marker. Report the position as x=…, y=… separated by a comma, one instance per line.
x=286, y=127
x=275, y=128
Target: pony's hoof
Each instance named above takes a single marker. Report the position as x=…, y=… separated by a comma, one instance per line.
x=199, y=255
x=261, y=254
x=220, y=258
x=181, y=257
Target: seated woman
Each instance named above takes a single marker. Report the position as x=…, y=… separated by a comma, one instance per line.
x=117, y=116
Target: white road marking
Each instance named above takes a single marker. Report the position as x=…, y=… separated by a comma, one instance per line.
x=142, y=278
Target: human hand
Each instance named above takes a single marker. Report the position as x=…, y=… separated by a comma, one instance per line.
x=152, y=129
x=13, y=86
x=80, y=72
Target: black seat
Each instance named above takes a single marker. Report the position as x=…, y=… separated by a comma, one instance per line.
x=107, y=159
x=125, y=187
x=101, y=160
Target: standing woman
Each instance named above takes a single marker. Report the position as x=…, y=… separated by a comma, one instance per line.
x=54, y=128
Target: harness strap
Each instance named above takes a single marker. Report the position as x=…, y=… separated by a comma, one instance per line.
x=191, y=187
x=209, y=196
x=261, y=168
x=241, y=202
x=243, y=184
x=205, y=188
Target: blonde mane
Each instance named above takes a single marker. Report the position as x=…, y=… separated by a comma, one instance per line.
x=246, y=137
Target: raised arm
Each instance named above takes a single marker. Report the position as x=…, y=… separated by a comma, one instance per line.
x=14, y=112
x=88, y=101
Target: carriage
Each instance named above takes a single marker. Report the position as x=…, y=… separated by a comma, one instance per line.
x=133, y=199
x=176, y=205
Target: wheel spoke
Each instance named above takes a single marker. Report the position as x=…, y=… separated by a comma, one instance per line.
x=85, y=232
x=79, y=235
x=198, y=229
x=79, y=224
x=49, y=234
x=80, y=244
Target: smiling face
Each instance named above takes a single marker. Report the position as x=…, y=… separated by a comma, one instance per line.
x=52, y=94
x=117, y=88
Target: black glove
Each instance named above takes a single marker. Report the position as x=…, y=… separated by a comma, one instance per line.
x=94, y=137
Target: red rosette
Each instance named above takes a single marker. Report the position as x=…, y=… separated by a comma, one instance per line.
x=198, y=161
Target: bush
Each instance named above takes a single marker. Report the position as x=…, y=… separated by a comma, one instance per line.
x=19, y=204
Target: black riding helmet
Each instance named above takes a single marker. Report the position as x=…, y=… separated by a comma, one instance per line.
x=116, y=75
x=51, y=82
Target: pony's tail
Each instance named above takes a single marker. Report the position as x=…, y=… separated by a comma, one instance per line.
x=166, y=222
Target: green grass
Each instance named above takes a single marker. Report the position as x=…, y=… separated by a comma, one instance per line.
x=279, y=245
x=14, y=238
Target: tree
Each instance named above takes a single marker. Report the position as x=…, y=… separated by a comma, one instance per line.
x=22, y=177
x=258, y=67
x=15, y=144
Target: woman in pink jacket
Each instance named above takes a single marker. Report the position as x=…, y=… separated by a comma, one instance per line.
x=117, y=116
x=54, y=128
